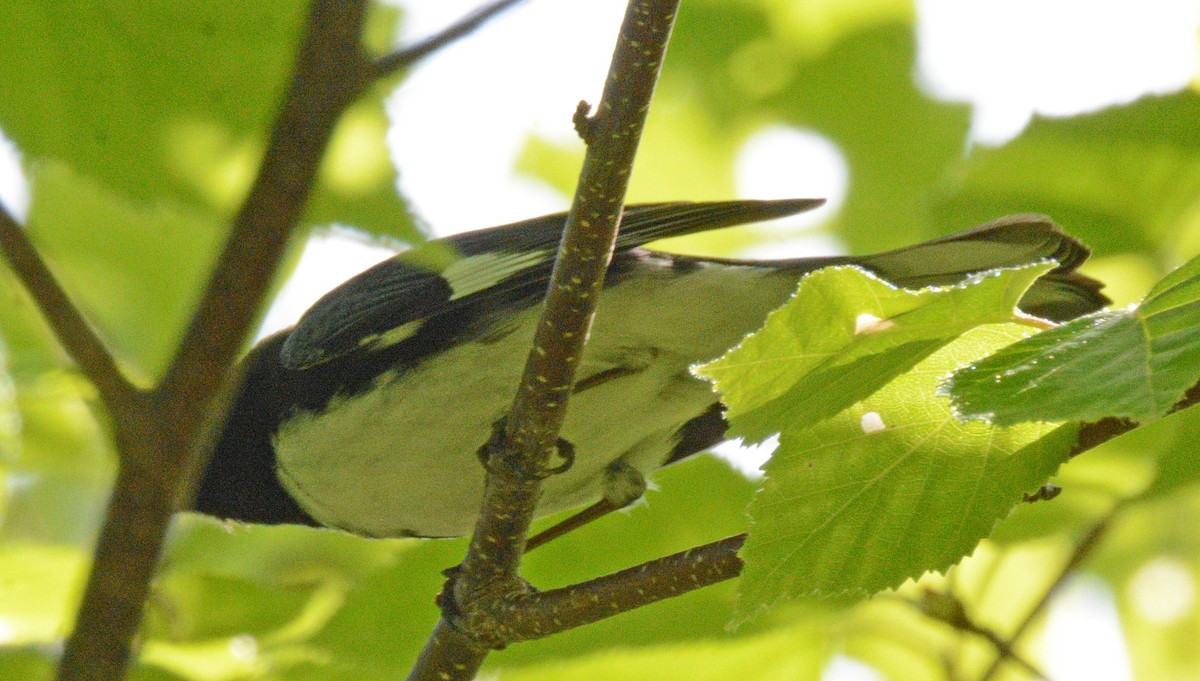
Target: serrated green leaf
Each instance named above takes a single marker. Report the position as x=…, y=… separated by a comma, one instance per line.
x=845, y=334
x=891, y=488
x=1134, y=364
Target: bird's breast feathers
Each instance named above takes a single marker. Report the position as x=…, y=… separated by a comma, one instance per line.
x=399, y=459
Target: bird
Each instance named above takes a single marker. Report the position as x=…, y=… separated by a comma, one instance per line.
x=367, y=416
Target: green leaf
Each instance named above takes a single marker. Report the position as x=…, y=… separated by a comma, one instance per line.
x=845, y=334
x=173, y=102
x=890, y=488
x=41, y=583
x=234, y=601
x=60, y=477
x=10, y=422
x=769, y=67
x=1123, y=178
x=796, y=652
x=136, y=270
x=26, y=664
x=1134, y=364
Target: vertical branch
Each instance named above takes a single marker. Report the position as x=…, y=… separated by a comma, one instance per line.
x=157, y=432
x=530, y=435
x=484, y=587
x=448, y=654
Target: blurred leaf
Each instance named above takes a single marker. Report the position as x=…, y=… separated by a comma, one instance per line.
x=845, y=334
x=758, y=70
x=281, y=555
x=239, y=601
x=26, y=664
x=852, y=507
x=1134, y=364
x=171, y=103
x=793, y=653
x=1125, y=178
x=58, y=482
x=1171, y=442
x=40, y=586
x=137, y=272
x=816, y=24
x=998, y=588
x=1150, y=558
x=10, y=429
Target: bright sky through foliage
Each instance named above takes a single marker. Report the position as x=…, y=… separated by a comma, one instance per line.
x=1014, y=58
x=462, y=116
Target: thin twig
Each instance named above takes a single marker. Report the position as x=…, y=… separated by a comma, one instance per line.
x=452, y=654
x=1083, y=549
x=158, y=433
x=480, y=594
x=387, y=65
x=77, y=336
x=946, y=607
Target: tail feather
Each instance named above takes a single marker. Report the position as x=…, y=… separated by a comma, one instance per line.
x=1013, y=240
x=1007, y=242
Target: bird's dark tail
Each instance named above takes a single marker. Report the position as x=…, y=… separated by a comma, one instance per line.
x=1014, y=240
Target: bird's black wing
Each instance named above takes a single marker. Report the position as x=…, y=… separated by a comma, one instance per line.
x=388, y=302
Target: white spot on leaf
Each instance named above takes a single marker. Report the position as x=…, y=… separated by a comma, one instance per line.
x=872, y=422
x=866, y=323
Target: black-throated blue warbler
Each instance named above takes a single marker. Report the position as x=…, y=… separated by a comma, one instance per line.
x=368, y=414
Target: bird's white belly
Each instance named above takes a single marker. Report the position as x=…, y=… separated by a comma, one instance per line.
x=400, y=460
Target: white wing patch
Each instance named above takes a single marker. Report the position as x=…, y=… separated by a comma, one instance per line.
x=478, y=272
x=392, y=336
